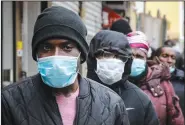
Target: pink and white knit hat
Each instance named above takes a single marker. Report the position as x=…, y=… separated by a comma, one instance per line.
x=138, y=39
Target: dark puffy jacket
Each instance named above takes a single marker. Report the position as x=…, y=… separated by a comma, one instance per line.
x=31, y=102
x=178, y=82
x=143, y=112
x=139, y=107
x=160, y=90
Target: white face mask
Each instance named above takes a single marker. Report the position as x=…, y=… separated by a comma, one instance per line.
x=110, y=70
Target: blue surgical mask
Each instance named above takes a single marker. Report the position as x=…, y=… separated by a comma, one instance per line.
x=172, y=69
x=138, y=67
x=58, y=71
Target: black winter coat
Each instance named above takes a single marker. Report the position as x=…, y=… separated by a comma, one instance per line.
x=178, y=81
x=30, y=102
x=138, y=105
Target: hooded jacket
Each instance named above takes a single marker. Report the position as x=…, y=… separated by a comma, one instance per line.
x=157, y=86
x=139, y=107
x=31, y=102
x=178, y=81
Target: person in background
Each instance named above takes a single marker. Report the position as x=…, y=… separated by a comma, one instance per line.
x=121, y=26
x=59, y=95
x=109, y=63
x=179, y=63
x=153, y=78
x=167, y=55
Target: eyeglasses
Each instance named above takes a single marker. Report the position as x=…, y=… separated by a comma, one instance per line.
x=106, y=54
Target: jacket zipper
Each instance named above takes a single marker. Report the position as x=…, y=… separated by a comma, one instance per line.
x=77, y=108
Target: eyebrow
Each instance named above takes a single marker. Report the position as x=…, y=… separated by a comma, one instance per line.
x=66, y=42
x=168, y=54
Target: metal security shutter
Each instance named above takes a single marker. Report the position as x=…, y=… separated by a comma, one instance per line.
x=153, y=30
x=152, y=27
x=92, y=17
x=74, y=6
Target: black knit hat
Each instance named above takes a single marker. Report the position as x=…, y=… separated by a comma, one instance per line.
x=59, y=22
x=121, y=26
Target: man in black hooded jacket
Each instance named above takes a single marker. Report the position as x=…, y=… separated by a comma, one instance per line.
x=59, y=95
x=109, y=63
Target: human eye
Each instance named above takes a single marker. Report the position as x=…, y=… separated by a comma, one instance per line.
x=44, y=48
x=67, y=48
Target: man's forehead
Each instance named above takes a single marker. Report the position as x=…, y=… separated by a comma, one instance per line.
x=59, y=41
x=168, y=50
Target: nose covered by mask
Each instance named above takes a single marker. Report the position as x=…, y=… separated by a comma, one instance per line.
x=110, y=71
x=58, y=71
x=138, y=67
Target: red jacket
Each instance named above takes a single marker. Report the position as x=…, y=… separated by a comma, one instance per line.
x=158, y=87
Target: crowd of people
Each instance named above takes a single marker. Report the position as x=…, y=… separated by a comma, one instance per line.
x=123, y=86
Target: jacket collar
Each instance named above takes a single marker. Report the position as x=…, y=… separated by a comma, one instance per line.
x=177, y=75
x=158, y=71
x=84, y=86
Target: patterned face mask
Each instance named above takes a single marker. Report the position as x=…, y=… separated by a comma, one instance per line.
x=110, y=70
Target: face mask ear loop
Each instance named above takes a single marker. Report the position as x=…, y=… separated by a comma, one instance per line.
x=78, y=63
x=37, y=58
x=96, y=65
x=79, y=55
x=103, y=55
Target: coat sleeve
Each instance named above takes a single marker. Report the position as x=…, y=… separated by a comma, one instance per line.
x=174, y=112
x=6, y=116
x=151, y=116
x=122, y=115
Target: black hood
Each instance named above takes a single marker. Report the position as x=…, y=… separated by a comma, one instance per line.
x=111, y=41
